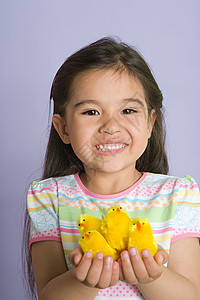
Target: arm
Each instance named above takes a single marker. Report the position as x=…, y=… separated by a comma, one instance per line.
x=180, y=280
x=54, y=280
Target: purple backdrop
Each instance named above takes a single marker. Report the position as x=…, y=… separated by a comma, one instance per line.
x=36, y=37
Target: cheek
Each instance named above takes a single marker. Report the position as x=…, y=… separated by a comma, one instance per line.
x=139, y=129
x=80, y=138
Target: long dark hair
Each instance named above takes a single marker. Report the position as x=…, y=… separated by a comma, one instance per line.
x=106, y=53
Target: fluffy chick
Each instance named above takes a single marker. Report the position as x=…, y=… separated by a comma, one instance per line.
x=87, y=222
x=141, y=236
x=93, y=241
x=115, y=227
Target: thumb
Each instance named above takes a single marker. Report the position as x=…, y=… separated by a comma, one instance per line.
x=75, y=256
x=161, y=257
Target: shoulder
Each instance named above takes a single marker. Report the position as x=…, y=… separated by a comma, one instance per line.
x=49, y=190
x=53, y=184
x=171, y=182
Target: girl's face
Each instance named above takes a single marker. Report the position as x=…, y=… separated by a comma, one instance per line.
x=107, y=121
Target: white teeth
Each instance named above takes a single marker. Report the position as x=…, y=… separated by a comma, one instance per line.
x=109, y=147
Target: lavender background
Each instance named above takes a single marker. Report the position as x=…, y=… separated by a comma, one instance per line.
x=36, y=37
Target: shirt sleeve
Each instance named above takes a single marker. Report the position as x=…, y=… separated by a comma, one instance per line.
x=42, y=204
x=187, y=215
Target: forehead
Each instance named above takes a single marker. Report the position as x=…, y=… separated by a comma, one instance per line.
x=99, y=84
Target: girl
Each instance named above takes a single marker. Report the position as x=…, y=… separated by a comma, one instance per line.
x=106, y=147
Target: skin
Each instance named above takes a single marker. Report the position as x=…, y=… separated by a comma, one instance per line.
x=95, y=122
x=85, y=125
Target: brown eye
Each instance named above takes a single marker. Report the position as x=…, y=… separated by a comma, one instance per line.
x=120, y=207
x=133, y=223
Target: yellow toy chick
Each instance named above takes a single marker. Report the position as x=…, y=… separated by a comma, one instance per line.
x=141, y=235
x=115, y=227
x=93, y=241
x=87, y=222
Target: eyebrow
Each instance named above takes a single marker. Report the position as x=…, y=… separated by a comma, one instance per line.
x=86, y=102
x=134, y=100
x=124, y=102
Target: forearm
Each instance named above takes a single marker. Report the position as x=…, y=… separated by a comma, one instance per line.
x=177, y=288
x=66, y=287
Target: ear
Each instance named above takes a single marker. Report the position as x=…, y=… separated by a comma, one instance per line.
x=151, y=121
x=61, y=128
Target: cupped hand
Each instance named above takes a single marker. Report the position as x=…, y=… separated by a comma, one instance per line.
x=100, y=272
x=137, y=270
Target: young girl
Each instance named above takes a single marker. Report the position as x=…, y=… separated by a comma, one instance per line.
x=106, y=147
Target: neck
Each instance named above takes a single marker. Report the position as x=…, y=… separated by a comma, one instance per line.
x=109, y=183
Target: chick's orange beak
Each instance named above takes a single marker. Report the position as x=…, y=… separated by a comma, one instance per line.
x=118, y=210
x=87, y=235
x=138, y=225
x=82, y=224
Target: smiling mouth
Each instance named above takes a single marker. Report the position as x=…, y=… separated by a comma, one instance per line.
x=110, y=147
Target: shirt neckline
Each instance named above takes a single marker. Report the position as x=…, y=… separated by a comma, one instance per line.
x=89, y=193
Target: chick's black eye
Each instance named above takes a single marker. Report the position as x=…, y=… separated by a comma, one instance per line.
x=79, y=224
x=113, y=209
x=84, y=220
x=89, y=232
x=120, y=207
x=133, y=223
x=82, y=237
x=143, y=223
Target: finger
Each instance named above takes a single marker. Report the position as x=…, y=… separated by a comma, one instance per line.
x=106, y=274
x=139, y=268
x=121, y=275
x=95, y=270
x=81, y=271
x=127, y=268
x=153, y=269
x=115, y=274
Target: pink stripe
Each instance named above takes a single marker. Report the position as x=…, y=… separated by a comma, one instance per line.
x=69, y=230
x=77, y=178
x=194, y=186
x=44, y=238
x=185, y=235
x=45, y=189
x=158, y=231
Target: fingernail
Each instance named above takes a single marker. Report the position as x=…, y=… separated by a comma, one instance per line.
x=115, y=265
x=160, y=259
x=88, y=254
x=125, y=256
x=76, y=259
x=145, y=253
x=132, y=251
x=100, y=255
x=108, y=260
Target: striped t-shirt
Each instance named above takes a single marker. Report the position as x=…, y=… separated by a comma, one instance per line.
x=171, y=204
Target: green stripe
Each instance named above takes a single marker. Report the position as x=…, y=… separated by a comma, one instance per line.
x=156, y=214
x=153, y=214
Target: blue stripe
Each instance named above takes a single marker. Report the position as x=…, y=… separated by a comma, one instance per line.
x=93, y=199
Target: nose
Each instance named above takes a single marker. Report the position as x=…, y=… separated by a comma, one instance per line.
x=111, y=126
